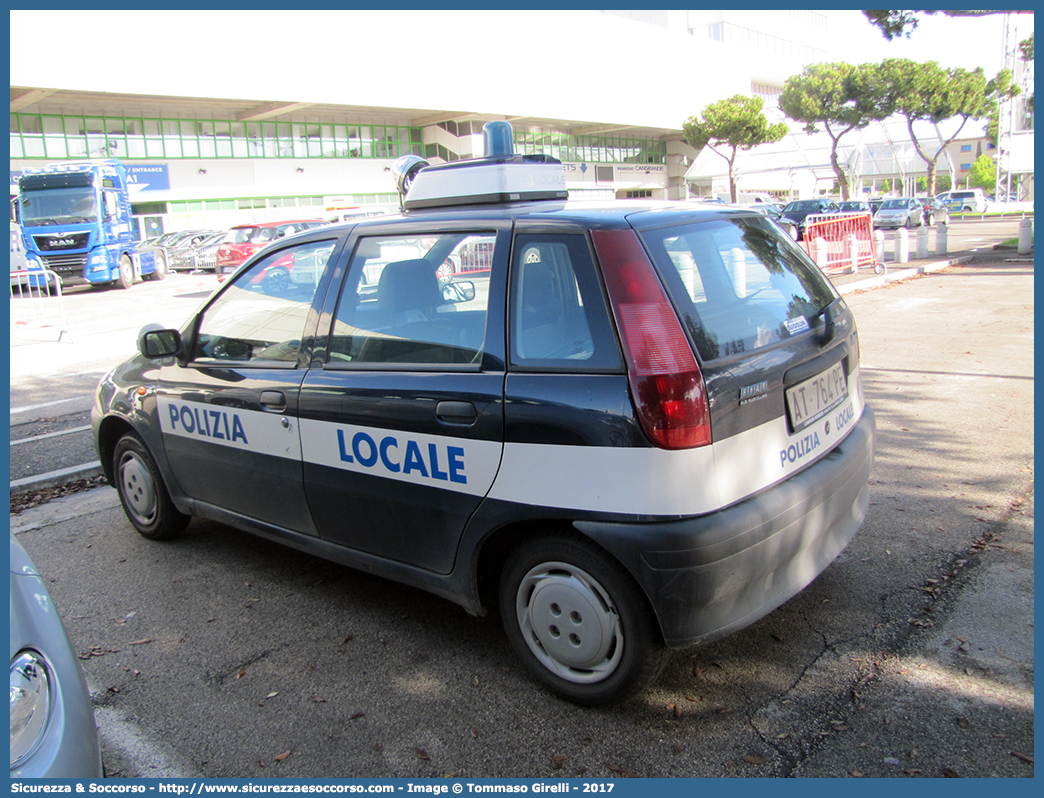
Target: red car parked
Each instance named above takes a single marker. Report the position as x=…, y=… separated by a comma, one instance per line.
x=244, y=240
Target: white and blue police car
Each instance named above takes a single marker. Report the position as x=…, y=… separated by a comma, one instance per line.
x=631, y=427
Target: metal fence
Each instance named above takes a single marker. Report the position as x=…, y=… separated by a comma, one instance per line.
x=37, y=311
x=841, y=242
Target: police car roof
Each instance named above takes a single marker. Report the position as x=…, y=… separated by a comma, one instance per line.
x=584, y=212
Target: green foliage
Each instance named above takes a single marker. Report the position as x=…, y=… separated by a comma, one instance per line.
x=894, y=24
x=840, y=98
x=1026, y=48
x=733, y=124
x=983, y=173
x=943, y=183
x=929, y=93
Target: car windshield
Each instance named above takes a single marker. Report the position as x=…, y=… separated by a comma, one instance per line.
x=739, y=284
x=895, y=204
x=239, y=235
x=802, y=205
x=853, y=206
x=58, y=206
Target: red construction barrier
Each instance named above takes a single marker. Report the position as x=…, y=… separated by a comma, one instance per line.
x=841, y=242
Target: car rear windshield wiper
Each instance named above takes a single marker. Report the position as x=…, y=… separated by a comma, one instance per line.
x=826, y=335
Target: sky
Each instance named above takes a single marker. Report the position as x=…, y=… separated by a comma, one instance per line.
x=951, y=41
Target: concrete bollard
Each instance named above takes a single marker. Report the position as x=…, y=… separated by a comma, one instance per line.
x=1025, y=236
x=879, y=247
x=822, y=256
x=853, y=251
x=902, y=246
x=940, y=238
x=922, y=242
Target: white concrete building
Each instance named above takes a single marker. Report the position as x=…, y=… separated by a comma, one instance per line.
x=231, y=116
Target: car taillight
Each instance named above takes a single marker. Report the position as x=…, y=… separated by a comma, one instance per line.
x=666, y=383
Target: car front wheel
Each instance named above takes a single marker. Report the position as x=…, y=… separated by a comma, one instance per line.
x=126, y=278
x=579, y=621
x=142, y=493
x=276, y=282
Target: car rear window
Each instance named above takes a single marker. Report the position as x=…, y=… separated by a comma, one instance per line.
x=738, y=284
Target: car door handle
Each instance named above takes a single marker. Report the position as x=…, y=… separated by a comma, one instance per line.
x=456, y=412
x=273, y=400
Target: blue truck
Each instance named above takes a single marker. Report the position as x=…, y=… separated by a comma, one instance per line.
x=76, y=221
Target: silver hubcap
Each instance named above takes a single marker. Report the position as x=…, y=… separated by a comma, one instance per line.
x=569, y=622
x=137, y=488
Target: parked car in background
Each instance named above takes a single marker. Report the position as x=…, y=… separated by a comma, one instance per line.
x=775, y=213
x=161, y=246
x=799, y=210
x=875, y=204
x=244, y=240
x=933, y=210
x=855, y=206
x=971, y=200
x=899, y=212
x=53, y=734
x=352, y=214
x=206, y=252
x=182, y=255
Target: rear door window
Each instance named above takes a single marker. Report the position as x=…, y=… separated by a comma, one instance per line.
x=738, y=284
x=559, y=317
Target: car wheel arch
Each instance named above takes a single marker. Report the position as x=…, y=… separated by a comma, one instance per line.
x=492, y=553
x=111, y=429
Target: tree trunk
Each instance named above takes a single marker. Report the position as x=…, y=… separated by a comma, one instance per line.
x=842, y=179
x=732, y=178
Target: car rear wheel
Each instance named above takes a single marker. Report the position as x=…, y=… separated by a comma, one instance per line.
x=579, y=621
x=142, y=493
x=161, y=268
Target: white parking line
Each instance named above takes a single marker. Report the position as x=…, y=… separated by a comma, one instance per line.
x=27, y=408
x=51, y=435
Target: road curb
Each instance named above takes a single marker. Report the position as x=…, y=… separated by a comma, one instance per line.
x=903, y=274
x=54, y=478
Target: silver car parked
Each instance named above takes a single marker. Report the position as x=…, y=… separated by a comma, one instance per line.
x=52, y=720
x=900, y=212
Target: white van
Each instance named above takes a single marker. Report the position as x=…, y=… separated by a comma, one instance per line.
x=968, y=199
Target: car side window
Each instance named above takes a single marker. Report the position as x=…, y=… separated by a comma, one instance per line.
x=261, y=316
x=559, y=317
x=418, y=300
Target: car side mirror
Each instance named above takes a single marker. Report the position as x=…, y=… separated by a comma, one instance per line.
x=156, y=342
x=464, y=291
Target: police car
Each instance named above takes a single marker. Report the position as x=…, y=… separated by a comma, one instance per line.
x=638, y=428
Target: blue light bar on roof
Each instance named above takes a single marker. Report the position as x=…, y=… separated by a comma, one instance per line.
x=500, y=177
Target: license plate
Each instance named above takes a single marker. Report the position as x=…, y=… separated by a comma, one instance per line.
x=812, y=399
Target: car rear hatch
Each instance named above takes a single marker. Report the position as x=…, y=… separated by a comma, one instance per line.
x=775, y=343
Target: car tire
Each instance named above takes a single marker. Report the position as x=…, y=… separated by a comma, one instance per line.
x=611, y=649
x=161, y=269
x=276, y=282
x=142, y=493
x=126, y=278
x=446, y=270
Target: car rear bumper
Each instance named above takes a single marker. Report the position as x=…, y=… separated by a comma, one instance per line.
x=711, y=575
